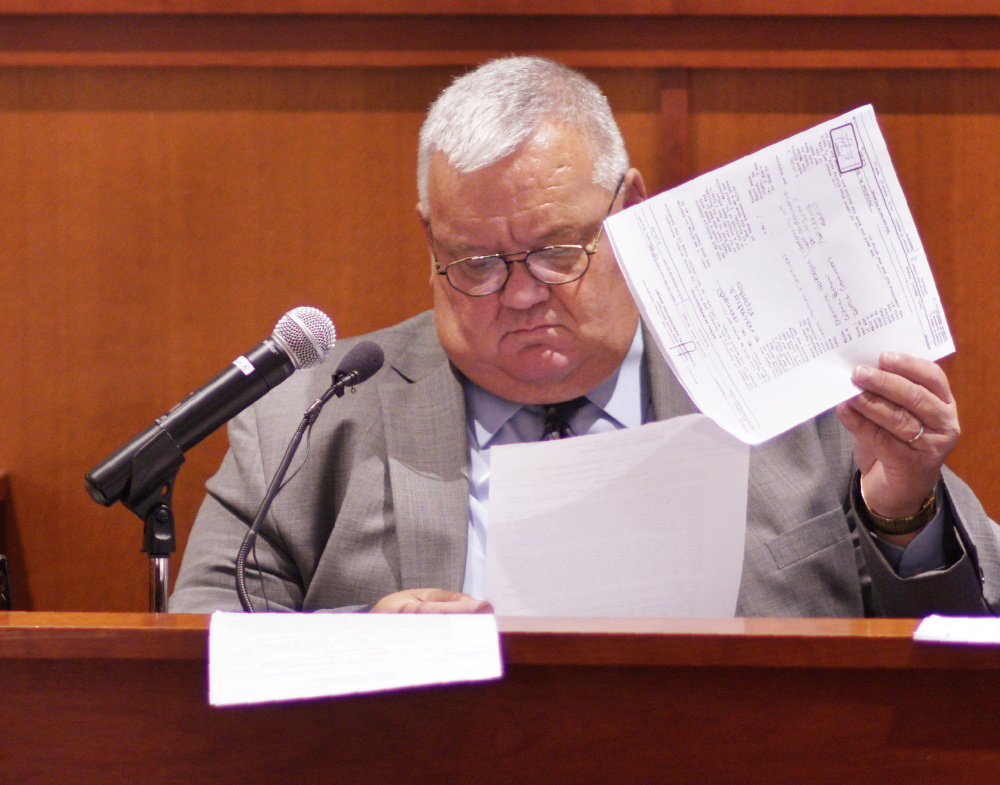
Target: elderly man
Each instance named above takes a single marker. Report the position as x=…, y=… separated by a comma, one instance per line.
x=534, y=334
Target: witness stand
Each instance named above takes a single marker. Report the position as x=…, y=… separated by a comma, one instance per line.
x=123, y=698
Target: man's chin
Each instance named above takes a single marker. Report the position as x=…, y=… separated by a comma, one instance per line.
x=539, y=362
x=530, y=382
x=540, y=365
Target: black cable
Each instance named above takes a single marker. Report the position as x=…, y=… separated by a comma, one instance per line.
x=358, y=365
x=272, y=490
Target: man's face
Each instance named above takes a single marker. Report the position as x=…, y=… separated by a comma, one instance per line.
x=531, y=342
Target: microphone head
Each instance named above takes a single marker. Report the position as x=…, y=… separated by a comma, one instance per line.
x=307, y=335
x=363, y=360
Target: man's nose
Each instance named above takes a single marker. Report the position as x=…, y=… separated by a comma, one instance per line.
x=522, y=290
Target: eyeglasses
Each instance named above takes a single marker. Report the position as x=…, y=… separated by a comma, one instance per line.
x=478, y=276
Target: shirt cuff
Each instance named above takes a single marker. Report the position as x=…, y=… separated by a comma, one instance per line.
x=924, y=553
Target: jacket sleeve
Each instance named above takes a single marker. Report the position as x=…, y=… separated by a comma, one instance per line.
x=207, y=579
x=969, y=586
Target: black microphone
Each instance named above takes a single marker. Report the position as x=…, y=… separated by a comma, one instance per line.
x=359, y=364
x=301, y=339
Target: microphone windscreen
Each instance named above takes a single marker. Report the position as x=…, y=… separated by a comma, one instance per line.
x=307, y=335
x=363, y=360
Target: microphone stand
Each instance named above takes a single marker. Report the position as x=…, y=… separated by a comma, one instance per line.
x=154, y=470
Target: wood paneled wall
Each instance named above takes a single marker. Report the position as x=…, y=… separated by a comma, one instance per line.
x=167, y=193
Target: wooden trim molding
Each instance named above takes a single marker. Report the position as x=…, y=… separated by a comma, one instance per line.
x=645, y=8
x=695, y=643
x=407, y=38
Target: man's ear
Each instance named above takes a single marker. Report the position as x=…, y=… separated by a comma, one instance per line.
x=635, y=189
x=424, y=219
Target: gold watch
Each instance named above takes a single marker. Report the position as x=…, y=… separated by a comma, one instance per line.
x=907, y=525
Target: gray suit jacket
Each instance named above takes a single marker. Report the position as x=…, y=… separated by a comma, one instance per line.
x=382, y=504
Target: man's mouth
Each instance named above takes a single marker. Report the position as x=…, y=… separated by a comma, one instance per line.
x=538, y=328
x=539, y=332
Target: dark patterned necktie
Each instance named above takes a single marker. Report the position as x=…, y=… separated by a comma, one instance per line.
x=557, y=417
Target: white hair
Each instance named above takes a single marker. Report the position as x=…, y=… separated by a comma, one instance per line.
x=487, y=114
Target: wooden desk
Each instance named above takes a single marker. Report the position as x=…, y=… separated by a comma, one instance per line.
x=122, y=698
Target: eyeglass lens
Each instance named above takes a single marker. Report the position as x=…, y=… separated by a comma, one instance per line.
x=487, y=274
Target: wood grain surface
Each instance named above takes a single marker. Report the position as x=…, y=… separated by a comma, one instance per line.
x=122, y=698
x=175, y=181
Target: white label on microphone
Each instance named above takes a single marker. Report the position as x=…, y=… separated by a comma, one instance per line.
x=244, y=365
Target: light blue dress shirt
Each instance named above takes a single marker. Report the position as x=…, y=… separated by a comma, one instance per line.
x=621, y=401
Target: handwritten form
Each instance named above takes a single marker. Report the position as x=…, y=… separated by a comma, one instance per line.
x=764, y=282
x=644, y=521
x=266, y=657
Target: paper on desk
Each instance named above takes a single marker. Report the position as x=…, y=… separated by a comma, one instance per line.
x=764, y=282
x=957, y=629
x=265, y=657
x=643, y=521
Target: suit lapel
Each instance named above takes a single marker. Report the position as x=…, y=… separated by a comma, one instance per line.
x=424, y=414
x=669, y=397
x=423, y=409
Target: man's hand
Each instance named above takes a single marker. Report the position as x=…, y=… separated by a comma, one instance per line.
x=431, y=601
x=904, y=423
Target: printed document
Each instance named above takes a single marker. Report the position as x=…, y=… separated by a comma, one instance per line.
x=645, y=521
x=959, y=629
x=266, y=657
x=764, y=282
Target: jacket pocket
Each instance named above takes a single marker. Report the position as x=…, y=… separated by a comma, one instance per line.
x=806, y=539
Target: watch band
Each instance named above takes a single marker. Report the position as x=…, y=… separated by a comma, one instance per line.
x=906, y=525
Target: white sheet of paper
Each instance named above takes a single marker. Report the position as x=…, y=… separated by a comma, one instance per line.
x=765, y=281
x=266, y=657
x=643, y=521
x=959, y=629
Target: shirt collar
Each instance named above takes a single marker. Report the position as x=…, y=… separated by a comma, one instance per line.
x=620, y=397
